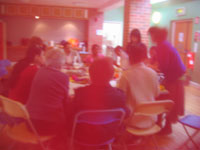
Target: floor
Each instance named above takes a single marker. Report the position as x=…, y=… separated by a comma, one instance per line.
x=177, y=140
x=174, y=141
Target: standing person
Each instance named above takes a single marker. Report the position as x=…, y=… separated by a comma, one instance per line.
x=140, y=83
x=135, y=38
x=124, y=60
x=48, y=98
x=171, y=65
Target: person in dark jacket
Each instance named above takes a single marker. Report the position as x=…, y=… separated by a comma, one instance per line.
x=135, y=38
x=100, y=94
x=171, y=65
x=48, y=97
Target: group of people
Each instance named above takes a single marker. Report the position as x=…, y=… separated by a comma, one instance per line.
x=37, y=81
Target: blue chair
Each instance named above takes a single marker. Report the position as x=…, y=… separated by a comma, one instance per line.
x=96, y=128
x=192, y=121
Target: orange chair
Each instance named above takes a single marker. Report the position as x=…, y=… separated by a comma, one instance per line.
x=21, y=131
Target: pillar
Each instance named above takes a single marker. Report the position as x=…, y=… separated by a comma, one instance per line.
x=137, y=14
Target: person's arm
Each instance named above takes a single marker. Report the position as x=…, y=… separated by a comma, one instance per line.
x=123, y=84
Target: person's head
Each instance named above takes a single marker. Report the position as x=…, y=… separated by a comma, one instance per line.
x=35, y=54
x=117, y=50
x=95, y=49
x=157, y=34
x=36, y=41
x=135, y=36
x=138, y=53
x=152, y=51
x=67, y=46
x=101, y=71
x=55, y=58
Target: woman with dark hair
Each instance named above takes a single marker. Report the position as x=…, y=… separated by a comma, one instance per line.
x=135, y=38
x=171, y=65
x=24, y=72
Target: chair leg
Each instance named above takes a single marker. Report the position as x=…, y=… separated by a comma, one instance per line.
x=190, y=137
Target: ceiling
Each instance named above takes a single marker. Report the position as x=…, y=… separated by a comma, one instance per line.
x=100, y=4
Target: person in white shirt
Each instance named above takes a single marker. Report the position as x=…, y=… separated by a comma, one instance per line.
x=121, y=58
x=72, y=56
x=141, y=84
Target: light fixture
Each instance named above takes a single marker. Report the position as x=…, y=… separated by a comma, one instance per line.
x=156, y=17
x=157, y=1
x=37, y=17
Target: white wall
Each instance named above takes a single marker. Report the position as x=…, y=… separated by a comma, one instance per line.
x=47, y=29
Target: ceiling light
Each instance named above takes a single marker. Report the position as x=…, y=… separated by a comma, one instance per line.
x=156, y=17
x=157, y=1
x=37, y=17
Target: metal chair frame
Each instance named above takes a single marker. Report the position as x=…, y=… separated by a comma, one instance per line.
x=96, y=122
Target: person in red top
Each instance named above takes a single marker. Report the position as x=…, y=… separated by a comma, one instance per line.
x=20, y=89
x=96, y=54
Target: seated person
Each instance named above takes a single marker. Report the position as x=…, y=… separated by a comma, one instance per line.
x=24, y=72
x=152, y=62
x=96, y=54
x=4, y=65
x=49, y=97
x=5, y=69
x=140, y=83
x=99, y=94
x=72, y=56
x=124, y=62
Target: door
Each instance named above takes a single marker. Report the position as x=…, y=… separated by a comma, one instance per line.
x=182, y=37
x=2, y=40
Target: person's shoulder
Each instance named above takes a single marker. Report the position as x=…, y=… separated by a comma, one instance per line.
x=31, y=69
x=84, y=89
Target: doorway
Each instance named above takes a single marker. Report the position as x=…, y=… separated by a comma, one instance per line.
x=182, y=37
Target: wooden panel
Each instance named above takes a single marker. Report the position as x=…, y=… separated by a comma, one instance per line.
x=11, y=10
x=183, y=38
x=35, y=11
x=43, y=11
x=79, y=13
x=57, y=12
x=23, y=10
x=46, y=11
x=68, y=12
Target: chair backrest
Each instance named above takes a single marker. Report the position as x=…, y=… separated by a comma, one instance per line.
x=99, y=127
x=13, y=108
x=19, y=130
x=154, y=108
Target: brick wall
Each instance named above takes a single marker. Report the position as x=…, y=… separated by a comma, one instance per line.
x=95, y=23
x=137, y=14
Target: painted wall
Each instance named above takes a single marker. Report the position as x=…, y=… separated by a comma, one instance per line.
x=114, y=15
x=168, y=12
x=47, y=29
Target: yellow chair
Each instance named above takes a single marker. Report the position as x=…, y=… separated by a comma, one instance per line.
x=20, y=131
x=150, y=109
